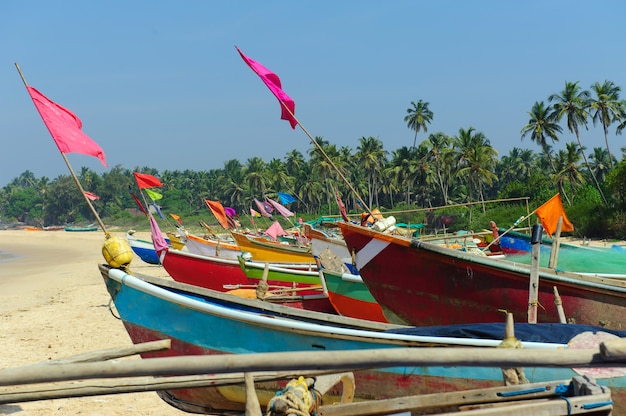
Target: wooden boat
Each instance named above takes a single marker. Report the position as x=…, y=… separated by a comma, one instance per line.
x=205, y=322
x=212, y=247
x=301, y=281
x=423, y=284
x=80, y=229
x=226, y=275
x=346, y=290
x=144, y=249
x=607, y=262
x=261, y=249
x=350, y=297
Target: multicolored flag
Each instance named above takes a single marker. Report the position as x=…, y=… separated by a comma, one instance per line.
x=262, y=208
x=65, y=127
x=177, y=218
x=254, y=213
x=549, y=214
x=146, y=181
x=287, y=105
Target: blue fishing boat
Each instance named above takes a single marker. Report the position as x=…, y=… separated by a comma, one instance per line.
x=201, y=322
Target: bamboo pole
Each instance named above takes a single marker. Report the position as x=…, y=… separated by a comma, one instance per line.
x=28, y=393
x=67, y=162
x=556, y=244
x=559, y=305
x=319, y=360
x=533, y=285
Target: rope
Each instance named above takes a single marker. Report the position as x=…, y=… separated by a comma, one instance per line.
x=261, y=290
x=294, y=399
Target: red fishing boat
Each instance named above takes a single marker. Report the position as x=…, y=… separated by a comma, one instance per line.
x=424, y=284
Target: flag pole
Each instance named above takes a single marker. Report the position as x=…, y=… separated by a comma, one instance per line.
x=67, y=162
x=369, y=211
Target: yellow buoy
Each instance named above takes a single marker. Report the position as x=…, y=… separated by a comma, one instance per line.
x=117, y=252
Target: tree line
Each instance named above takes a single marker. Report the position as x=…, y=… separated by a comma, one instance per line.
x=440, y=170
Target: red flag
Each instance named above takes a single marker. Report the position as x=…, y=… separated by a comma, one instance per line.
x=146, y=181
x=137, y=201
x=65, y=127
x=92, y=197
x=273, y=83
x=549, y=214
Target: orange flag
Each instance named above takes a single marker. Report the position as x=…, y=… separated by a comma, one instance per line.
x=549, y=214
x=218, y=211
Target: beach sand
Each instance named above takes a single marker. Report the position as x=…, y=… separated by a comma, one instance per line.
x=53, y=304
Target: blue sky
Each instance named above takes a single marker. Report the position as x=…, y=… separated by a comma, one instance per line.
x=160, y=84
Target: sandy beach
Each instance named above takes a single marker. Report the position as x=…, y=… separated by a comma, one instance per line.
x=53, y=304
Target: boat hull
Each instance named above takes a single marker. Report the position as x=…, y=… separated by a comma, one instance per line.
x=351, y=297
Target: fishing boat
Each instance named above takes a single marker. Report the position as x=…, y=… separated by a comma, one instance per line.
x=346, y=290
x=262, y=249
x=213, y=247
x=81, y=229
x=144, y=249
x=305, y=281
x=205, y=322
x=424, y=284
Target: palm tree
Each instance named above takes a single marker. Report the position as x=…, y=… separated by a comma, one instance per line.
x=541, y=125
x=371, y=157
x=476, y=160
x=418, y=117
x=600, y=162
x=607, y=108
x=438, y=145
x=572, y=103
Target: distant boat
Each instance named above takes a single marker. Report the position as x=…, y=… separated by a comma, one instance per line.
x=144, y=249
x=80, y=229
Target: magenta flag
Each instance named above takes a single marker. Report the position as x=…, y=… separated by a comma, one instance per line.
x=273, y=83
x=157, y=237
x=281, y=209
x=65, y=127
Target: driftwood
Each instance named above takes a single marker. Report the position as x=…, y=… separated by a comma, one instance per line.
x=339, y=361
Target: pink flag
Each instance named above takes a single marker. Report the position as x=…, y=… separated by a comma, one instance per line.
x=65, y=127
x=157, y=237
x=254, y=213
x=273, y=83
x=281, y=209
x=275, y=230
x=90, y=196
x=261, y=208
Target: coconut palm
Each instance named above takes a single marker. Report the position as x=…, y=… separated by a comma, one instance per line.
x=438, y=146
x=418, y=117
x=606, y=108
x=573, y=103
x=600, y=162
x=541, y=125
x=371, y=157
x=476, y=160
